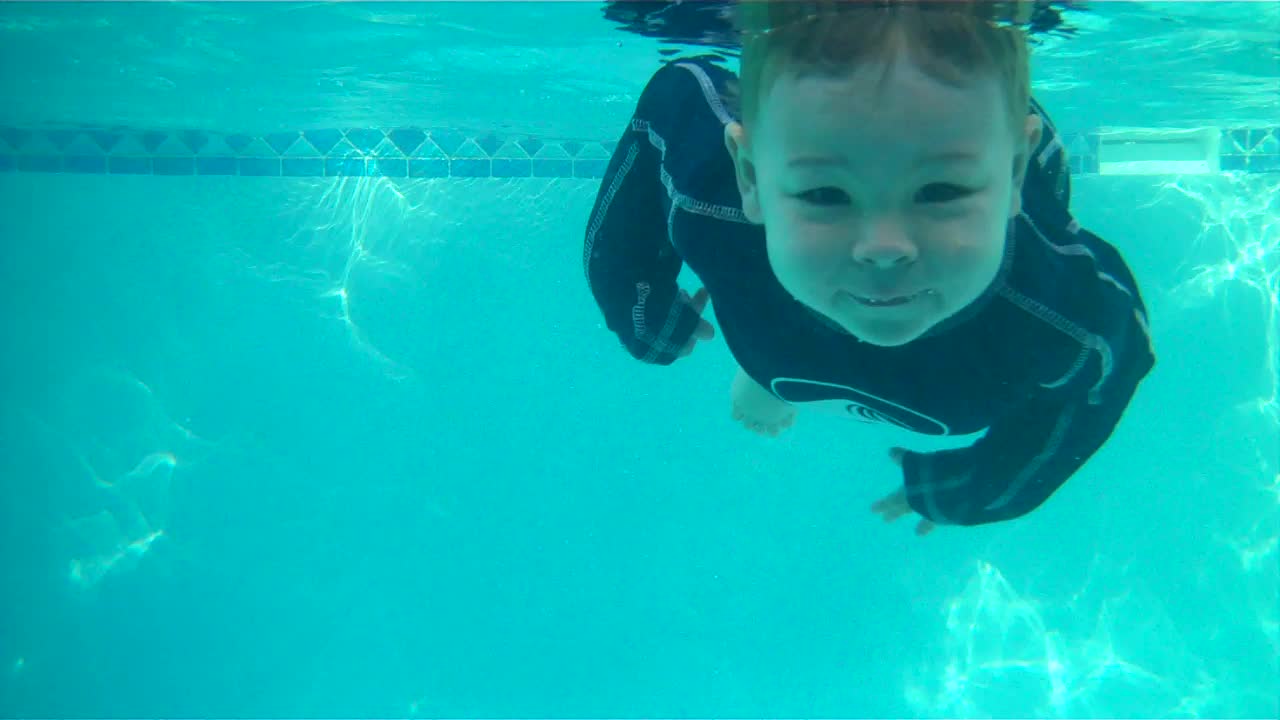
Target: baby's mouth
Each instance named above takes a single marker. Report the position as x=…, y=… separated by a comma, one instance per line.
x=888, y=300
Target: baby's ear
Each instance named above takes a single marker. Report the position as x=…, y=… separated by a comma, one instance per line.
x=744, y=170
x=1033, y=128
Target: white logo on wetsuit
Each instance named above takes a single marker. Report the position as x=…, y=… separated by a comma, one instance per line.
x=857, y=404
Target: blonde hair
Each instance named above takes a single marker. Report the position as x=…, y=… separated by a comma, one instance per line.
x=951, y=40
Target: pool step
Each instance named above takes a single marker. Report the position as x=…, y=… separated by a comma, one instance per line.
x=1147, y=151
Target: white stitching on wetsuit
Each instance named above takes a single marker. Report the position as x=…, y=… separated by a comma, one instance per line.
x=661, y=342
x=671, y=222
x=684, y=202
x=1050, y=449
x=1078, y=250
x=1081, y=358
x=709, y=92
x=1079, y=334
x=1075, y=332
x=1049, y=316
x=637, y=310
x=594, y=231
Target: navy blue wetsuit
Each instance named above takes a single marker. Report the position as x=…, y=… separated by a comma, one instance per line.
x=1043, y=364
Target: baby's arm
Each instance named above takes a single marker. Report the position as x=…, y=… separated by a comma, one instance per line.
x=1027, y=455
x=632, y=268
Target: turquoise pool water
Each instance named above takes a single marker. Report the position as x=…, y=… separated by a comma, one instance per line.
x=307, y=410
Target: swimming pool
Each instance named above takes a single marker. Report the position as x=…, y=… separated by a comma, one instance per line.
x=309, y=411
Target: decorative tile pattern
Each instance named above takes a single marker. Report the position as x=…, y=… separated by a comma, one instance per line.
x=1250, y=150
x=412, y=153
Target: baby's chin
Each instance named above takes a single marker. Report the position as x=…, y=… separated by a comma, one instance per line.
x=890, y=329
x=882, y=337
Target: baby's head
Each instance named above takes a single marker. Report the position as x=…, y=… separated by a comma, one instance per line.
x=883, y=146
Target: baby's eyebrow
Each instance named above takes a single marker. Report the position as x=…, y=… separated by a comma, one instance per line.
x=943, y=158
x=817, y=162
x=954, y=156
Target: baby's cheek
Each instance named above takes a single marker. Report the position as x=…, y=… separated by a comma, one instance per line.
x=815, y=248
x=794, y=263
x=978, y=258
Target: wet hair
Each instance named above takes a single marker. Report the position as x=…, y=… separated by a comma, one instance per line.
x=952, y=41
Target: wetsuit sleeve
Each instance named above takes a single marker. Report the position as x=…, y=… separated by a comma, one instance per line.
x=1028, y=454
x=631, y=265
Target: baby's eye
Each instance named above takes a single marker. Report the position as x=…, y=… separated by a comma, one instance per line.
x=943, y=192
x=825, y=196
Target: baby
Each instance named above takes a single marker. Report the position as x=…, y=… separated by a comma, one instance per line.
x=879, y=213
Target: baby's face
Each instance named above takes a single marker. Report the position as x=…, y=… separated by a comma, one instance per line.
x=885, y=194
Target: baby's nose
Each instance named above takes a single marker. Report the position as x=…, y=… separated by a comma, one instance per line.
x=885, y=249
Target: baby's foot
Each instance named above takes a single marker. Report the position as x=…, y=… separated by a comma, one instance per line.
x=759, y=410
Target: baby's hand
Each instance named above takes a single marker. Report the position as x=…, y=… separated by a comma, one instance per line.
x=759, y=410
x=895, y=505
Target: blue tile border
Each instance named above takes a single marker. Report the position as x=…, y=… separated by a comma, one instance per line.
x=410, y=152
